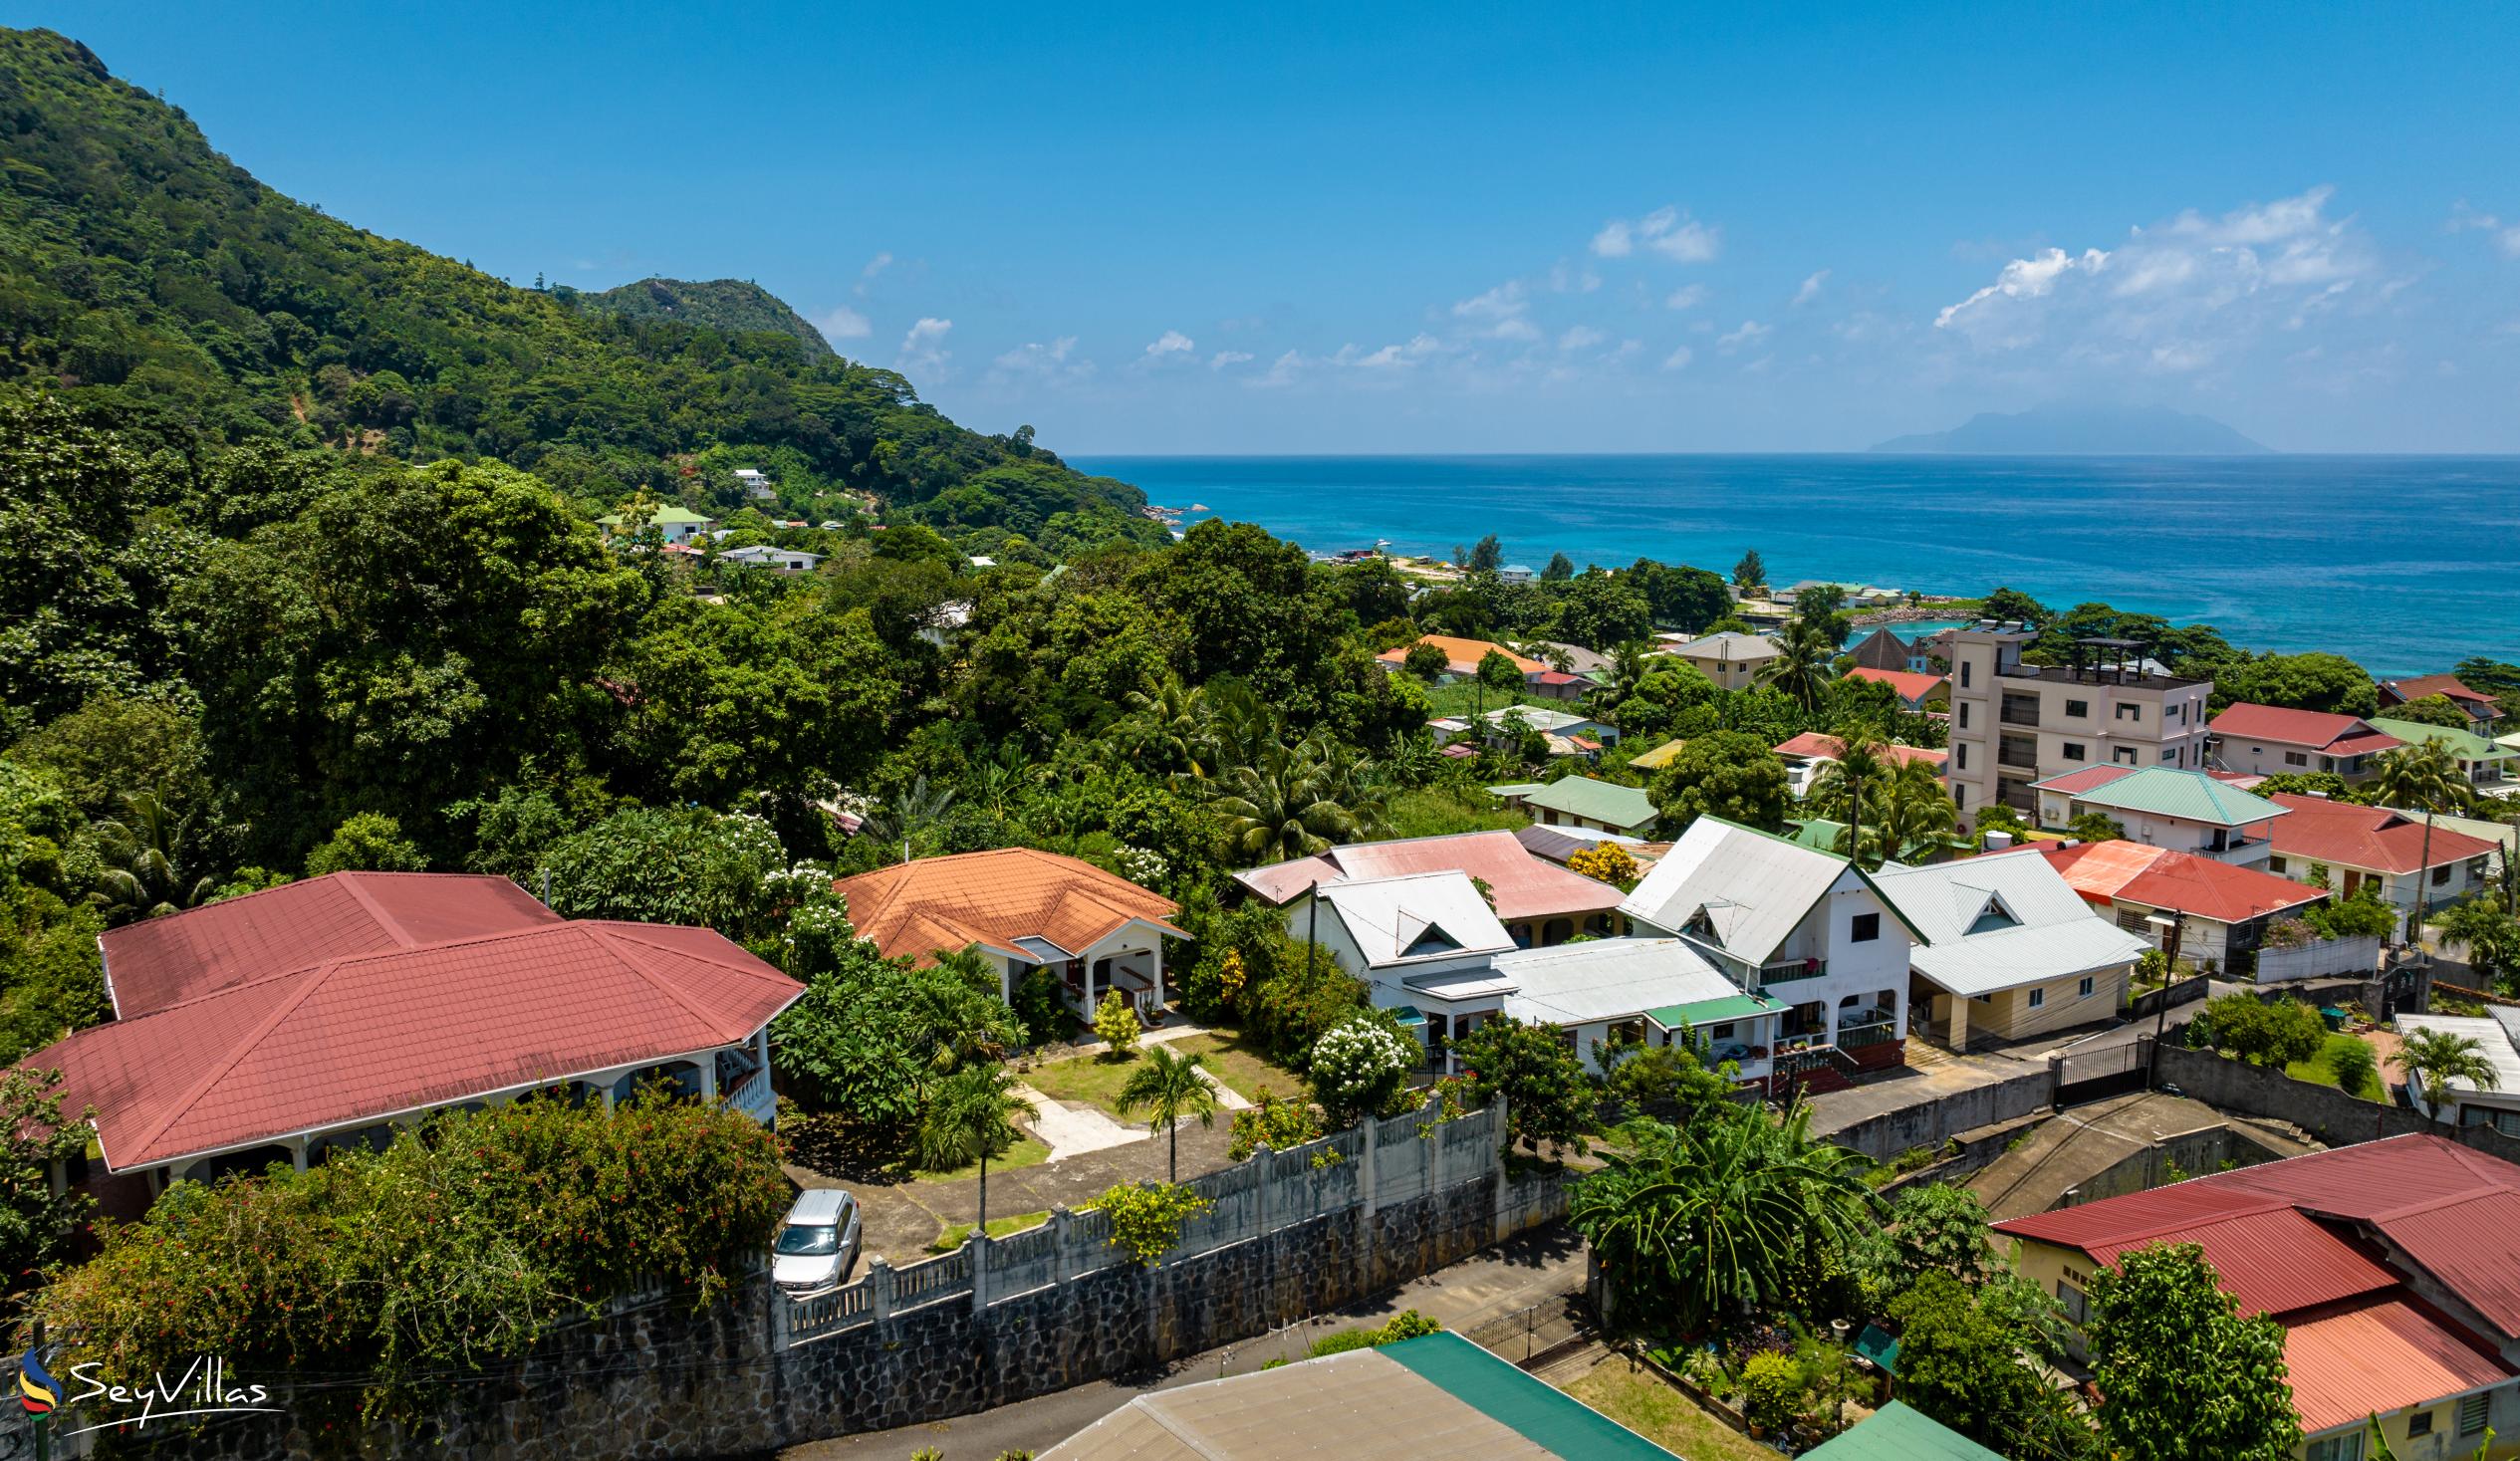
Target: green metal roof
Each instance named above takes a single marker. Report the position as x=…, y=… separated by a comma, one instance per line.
x=1547, y=1417
x=2465, y=745
x=1896, y=1433
x=1718, y=1011
x=2167, y=791
x=1818, y=834
x=1595, y=801
x=1516, y=788
x=1879, y=1346
x=663, y=517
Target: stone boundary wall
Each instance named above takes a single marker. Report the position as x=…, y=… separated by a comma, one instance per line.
x=1933, y=1122
x=2324, y=1111
x=953, y=1335
x=2194, y=1153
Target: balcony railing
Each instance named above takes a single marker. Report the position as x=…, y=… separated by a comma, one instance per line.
x=2018, y=712
x=1784, y=971
x=2018, y=760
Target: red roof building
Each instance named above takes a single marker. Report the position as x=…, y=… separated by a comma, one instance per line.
x=2268, y=740
x=1913, y=690
x=275, y=1026
x=1023, y=909
x=2372, y=841
x=2481, y=708
x=2394, y=1267
x=1819, y=746
x=1539, y=901
x=2227, y=907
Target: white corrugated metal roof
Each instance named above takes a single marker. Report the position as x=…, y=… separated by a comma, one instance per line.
x=1606, y=978
x=2038, y=928
x=1756, y=886
x=2490, y=1034
x=1385, y=915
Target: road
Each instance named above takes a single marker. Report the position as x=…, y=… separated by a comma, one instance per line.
x=1538, y=1268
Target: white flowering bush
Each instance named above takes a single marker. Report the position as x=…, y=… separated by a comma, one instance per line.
x=1357, y=1067
x=1143, y=867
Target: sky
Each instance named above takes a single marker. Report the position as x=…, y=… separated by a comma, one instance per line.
x=1460, y=228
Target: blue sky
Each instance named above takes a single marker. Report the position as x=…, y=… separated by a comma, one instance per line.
x=1462, y=229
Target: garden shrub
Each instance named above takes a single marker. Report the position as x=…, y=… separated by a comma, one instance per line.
x=1283, y=1121
x=2354, y=1065
x=1409, y=1323
x=1772, y=1389
x=1116, y=1025
x=1147, y=1217
x=1357, y=1065
x=1041, y=1006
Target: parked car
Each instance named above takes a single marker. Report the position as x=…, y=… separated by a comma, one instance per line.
x=816, y=1244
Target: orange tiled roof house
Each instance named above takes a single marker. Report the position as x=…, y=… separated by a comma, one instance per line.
x=1023, y=909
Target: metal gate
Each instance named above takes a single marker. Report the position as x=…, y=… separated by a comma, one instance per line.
x=2096, y=1074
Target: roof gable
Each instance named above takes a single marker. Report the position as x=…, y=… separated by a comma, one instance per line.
x=1418, y=917
x=996, y=898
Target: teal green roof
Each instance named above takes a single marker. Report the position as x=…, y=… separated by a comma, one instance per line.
x=2465, y=745
x=1614, y=806
x=1896, y=1433
x=1516, y=788
x=663, y=517
x=1714, y=1011
x=1818, y=834
x=1547, y=1417
x=2167, y=791
x=1879, y=1346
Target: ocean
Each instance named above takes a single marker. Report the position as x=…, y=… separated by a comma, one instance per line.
x=2406, y=565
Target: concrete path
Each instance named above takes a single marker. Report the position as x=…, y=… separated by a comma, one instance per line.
x=1072, y=1128
x=1534, y=1269
x=1226, y=1096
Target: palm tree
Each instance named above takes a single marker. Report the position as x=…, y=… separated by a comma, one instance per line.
x=2423, y=778
x=1168, y=1087
x=1918, y=817
x=1283, y=806
x=1619, y=681
x=2435, y=1058
x=143, y=875
x=1724, y=1216
x=970, y=1116
x=1801, y=667
x=912, y=809
x=1171, y=726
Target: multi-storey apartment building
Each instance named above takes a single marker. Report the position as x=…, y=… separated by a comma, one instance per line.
x=2014, y=723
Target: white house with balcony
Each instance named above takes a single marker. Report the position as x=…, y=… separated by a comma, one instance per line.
x=1804, y=927
x=2162, y=806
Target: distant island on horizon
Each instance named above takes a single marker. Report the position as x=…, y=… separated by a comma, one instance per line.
x=2060, y=429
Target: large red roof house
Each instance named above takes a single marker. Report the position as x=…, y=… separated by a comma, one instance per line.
x=277, y=1026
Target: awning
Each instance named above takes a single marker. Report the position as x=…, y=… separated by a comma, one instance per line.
x=1408, y=1016
x=1714, y=1011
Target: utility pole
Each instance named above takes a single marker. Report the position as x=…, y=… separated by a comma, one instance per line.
x=2169, y=972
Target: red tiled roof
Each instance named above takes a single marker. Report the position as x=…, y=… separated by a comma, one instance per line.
x=2435, y=684
x=2342, y=834
x=360, y=1036
x=2161, y=878
x=1462, y=656
x=2313, y=728
x=163, y=961
x=1524, y=885
x=1556, y=677
x=2374, y=1358
x=932, y=904
x=1911, y=686
x=1818, y=745
x=2075, y=783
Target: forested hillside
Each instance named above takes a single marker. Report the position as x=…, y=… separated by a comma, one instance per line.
x=731, y=305
x=165, y=292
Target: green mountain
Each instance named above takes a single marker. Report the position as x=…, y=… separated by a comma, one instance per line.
x=733, y=306
x=165, y=293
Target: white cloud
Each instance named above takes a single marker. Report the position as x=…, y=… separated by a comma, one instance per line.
x=874, y=266
x=1504, y=313
x=1564, y=280
x=1582, y=336
x=1678, y=360
x=1038, y=364
x=2506, y=238
x=1810, y=287
x=1170, y=343
x=1666, y=230
x=844, y=322
x=1283, y=369
x=1686, y=297
x=2183, y=295
x=1750, y=333
x=1225, y=358
x=1514, y=328
x=924, y=348
x=1390, y=357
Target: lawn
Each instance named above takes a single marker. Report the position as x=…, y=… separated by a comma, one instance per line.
x=2316, y=1070
x=954, y=1235
x=1241, y=1065
x=1025, y=1152
x=1639, y=1399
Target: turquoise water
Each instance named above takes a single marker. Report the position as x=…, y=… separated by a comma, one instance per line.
x=2404, y=564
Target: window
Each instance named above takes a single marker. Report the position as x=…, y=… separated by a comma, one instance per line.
x=1959, y=792
x=2130, y=711
x=2440, y=874
x=2124, y=755
x=2169, y=755
x=2080, y=709
x=1964, y=674
x=2070, y=1299
x=2083, y=991
x=2347, y=1447
x=1868, y=927
x=1720, y=1031
x=2472, y=1410
x=2037, y=997
x=1965, y=715
x=2296, y=758
x=2419, y=1424
x=2073, y=750
x=2275, y=866
x=1963, y=751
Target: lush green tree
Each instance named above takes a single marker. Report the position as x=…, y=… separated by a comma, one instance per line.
x=1288, y=804
x=1655, y=705
x=1751, y=571
x=1681, y=598
x=2354, y=1065
x=1428, y=662
x=1498, y=671
x=1804, y=652
x=2315, y=681
x=2275, y=1032
x=38, y=1225
x=1960, y=1364
x=1548, y=1101
x=366, y=843
x=2303, y=784
x=1941, y=1229
x=1561, y=568
x=2011, y=606
x=2182, y=1372
x=683, y=865
x=1487, y=556
x=144, y=871
x=1729, y=774
x=1169, y=1087
x=51, y=977
x=115, y=744
x=2362, y=914
x=1599, y=609
x=871, y=1035
x=2438, y=710
x=970, y=1117
x=1297, y=996
x=2432, y=1059
x=2097, y=826
x=2491, y=935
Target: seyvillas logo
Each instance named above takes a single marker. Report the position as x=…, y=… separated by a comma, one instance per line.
x=38, y=1391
